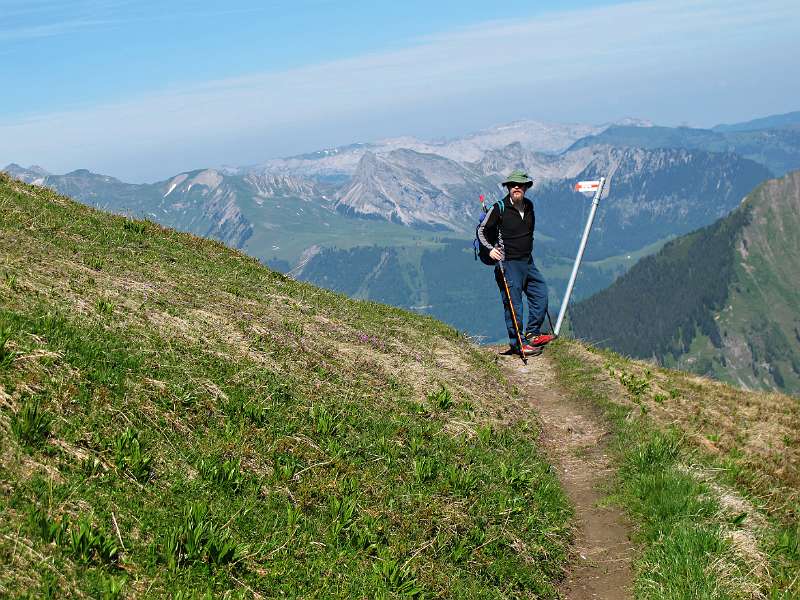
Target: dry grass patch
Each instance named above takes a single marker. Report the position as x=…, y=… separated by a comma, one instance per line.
x=757, y=430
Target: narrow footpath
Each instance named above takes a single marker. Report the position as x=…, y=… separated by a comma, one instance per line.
x=575, y=440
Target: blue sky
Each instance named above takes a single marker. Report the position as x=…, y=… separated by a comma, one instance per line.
x=142, y=90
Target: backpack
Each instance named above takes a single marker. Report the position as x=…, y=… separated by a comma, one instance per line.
x=481, y=252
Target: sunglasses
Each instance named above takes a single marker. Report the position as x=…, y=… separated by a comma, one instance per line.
x=521, y=186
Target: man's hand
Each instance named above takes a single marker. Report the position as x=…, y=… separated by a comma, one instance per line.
x=497, y=253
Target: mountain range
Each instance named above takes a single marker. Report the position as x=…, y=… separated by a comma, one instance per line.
x=777, y=148
x=404, y=205
x=551, y=138
x=658, y=192
x=789, y=120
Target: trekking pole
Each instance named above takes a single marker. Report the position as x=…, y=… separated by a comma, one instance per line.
x=510, y=303
x=583, y=186
x=513, y=313
x=550, y=320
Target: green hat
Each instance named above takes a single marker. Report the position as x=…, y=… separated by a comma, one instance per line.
x=518, y=176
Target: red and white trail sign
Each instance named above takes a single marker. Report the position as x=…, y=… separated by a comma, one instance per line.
x=587, y=186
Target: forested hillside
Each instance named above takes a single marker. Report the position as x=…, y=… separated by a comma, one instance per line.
x=720, y=301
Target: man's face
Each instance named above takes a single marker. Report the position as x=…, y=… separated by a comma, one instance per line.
x=516, y=191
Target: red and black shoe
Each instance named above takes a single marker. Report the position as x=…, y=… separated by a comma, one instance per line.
x=541, y=339
x=530, y=350
x=527, y=349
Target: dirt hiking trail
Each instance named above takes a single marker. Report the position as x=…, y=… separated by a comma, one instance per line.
x=575, y=439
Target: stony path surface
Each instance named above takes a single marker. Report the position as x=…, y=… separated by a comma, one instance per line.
x=574, y=437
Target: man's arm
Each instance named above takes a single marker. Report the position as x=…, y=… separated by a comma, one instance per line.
x=490, y=221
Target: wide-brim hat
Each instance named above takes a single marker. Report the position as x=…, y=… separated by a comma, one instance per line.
x=518, y=176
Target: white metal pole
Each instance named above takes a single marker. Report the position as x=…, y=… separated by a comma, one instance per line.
x=579, y=257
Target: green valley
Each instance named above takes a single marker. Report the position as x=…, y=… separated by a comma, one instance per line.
x=441, y=278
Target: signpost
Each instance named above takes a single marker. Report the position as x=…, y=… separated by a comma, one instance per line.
x=584, y=187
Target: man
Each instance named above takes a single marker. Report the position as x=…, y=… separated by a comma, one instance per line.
x=513, y=229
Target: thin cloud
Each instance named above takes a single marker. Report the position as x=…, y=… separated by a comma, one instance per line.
x=63, y=18
x=31, y=19
x=607, y=50
x=48, y=30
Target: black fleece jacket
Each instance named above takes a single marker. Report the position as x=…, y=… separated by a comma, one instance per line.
x=516, y=230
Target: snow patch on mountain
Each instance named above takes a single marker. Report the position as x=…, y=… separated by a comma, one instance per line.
x=175, y=182
x=33, y=174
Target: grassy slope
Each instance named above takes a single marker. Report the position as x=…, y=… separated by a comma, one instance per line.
x=760, y=320
x=709, y=474
x=177, y=420
x=766, y=295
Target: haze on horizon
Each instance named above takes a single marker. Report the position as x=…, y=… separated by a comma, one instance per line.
x=142, y=91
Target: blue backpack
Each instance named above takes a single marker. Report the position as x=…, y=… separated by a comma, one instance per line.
x=481, y=252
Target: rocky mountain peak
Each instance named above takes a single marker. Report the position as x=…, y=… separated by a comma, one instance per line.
x=27, y=175
x=39, y=170
x=394, y=188
x=271, y=185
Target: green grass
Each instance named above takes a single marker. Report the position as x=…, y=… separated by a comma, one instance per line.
x=178, y=421
x=687, y=537
x=31, y=425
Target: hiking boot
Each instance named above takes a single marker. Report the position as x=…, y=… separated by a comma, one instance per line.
x=526, y=348
x=529, y=350
x=541, y=339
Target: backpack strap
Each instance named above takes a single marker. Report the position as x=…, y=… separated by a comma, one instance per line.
x=501, y=205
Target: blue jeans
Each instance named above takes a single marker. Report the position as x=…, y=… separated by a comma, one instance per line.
x=523, y=276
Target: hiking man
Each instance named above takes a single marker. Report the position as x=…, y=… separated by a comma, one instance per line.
x=512, y=225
